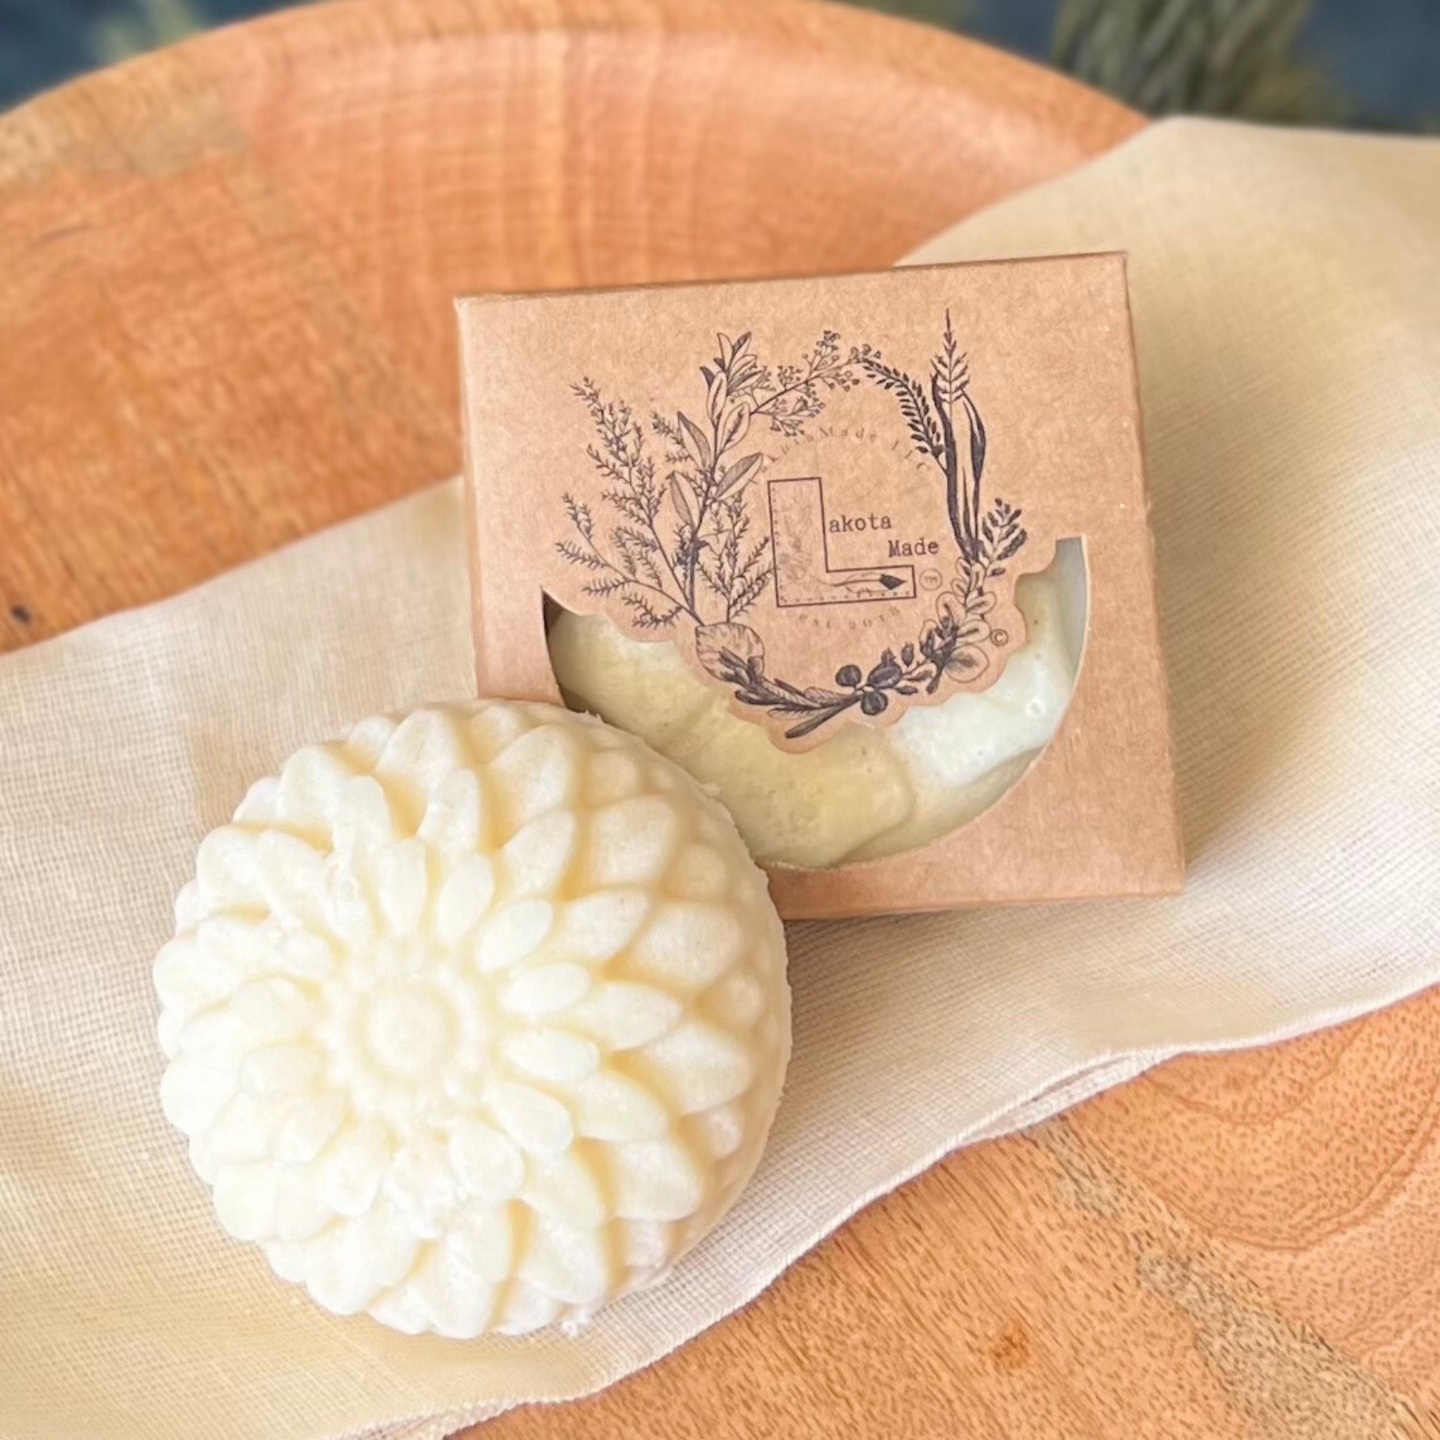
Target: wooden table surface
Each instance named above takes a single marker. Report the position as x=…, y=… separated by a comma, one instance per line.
x=225, y=275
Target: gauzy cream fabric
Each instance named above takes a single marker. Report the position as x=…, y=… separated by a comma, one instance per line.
x=1286, y=293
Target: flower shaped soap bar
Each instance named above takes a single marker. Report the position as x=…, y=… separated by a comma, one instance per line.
x=475, y=1021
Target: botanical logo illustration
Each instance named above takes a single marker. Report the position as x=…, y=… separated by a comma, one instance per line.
x=683, y=543
x=681, y=546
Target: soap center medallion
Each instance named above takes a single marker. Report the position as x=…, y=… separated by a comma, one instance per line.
x=409, y=1029
x=408, y=1032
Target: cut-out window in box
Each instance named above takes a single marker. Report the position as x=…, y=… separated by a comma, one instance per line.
x=861, y=794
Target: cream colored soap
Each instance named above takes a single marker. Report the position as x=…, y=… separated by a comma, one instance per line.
x=811, y=808
x=475, y=1021
x=863, y=793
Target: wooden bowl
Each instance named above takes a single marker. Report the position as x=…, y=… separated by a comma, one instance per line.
x=225, y=282
x=226, y=269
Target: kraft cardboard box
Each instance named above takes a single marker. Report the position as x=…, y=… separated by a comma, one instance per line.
x=818, y=504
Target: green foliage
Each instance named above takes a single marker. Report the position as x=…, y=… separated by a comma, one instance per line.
x=146, y=25
x=951, y=13
x=1200, y=57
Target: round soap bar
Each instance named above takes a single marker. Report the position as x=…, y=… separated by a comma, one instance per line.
x=476, y=1020
x=862, y=793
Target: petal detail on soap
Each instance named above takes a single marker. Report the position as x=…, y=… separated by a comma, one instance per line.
x=686, y=946
x=244, y=1129
x=218, y=1038
x=168, y=1030
x=366, y=741
x=569, y=1262
x=353, y=1168
x=426, y=748
x=402, y=884
x=442, y=1076
x=364, y=820
x=719, y=1133
x=309, y=1127
x=191, y=906
x=192, y=1094
x=190, y=975
x=464, y=897
x=310, y=786
x=348, y=909
x=735, y=999
x=553, y=1056
x=598, y=926
x=644, y=1244
x=202, y=1161
x=292, y=874
x=276, y=1072
x=389, y=1244
x=483, y=1238
x=245, y=1199
x=405, y=1310
x=631, y=841
x=227, y=868
x=260, y=805
x=533, y=1120
x=487, y=1163
x=494, y=727
x=654, y=1180
x=287, y=1260
x=545, y=989
x=539, y=772
x=526, y=1309
x=699, y=873
x=611, y=775
x=340, y=1270
x=622, y=1014
x=696, y=1066
x=611, y=1106
x=512, y=933
x=270, y=1009
x=454, y=1296
x=301, y=954
x=454, y=818
x=564, y=1186
x=249, y=944
x=535, y=860
x=421, y=1187
x=300, y=1209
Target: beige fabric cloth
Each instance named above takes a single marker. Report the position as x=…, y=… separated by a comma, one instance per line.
x=1288, y=318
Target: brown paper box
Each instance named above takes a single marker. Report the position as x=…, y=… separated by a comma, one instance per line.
x=894, y=451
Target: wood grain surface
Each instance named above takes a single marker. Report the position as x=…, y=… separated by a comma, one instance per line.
x=225, y=282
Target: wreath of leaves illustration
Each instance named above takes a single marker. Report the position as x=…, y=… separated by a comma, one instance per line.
x=679, y=541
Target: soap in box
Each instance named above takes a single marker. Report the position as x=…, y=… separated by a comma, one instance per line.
x=867, y=554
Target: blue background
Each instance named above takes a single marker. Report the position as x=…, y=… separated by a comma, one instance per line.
x=1382, y=56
